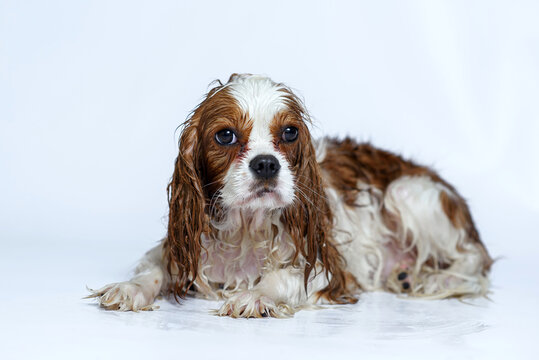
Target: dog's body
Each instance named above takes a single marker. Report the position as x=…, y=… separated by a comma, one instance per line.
x=270, y=221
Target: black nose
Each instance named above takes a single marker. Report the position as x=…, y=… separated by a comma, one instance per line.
x=265, y=166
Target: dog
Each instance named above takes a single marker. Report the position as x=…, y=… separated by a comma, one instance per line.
x=272, y=221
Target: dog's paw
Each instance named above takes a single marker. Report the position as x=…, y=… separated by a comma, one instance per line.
x=250, y=304
x=124, y=296
x=401, y=280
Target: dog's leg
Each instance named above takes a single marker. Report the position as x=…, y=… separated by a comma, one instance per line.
x=437, y=232
x=280, y=293
x=138, y=293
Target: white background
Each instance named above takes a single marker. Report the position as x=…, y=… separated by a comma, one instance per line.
x=91, y=94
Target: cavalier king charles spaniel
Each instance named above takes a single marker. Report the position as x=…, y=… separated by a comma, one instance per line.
x=272, y=221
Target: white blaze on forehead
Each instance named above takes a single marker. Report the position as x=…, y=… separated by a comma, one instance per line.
x=258, y=95
x=262, y=99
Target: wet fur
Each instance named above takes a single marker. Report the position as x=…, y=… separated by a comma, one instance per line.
x=355, y=223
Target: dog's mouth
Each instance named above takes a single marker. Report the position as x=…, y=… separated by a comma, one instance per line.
x=265, y=193
x=263, y=188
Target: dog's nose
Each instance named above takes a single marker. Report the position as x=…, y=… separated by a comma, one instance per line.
x=265, y=166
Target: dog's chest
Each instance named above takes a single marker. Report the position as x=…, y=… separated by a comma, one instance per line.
x=234, y=260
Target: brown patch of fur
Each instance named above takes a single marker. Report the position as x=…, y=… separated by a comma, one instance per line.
x=348, y=162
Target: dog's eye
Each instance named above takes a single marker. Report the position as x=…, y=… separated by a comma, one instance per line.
x=290, y=134
x=226, y=137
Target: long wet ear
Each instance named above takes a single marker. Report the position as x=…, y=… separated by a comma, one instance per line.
x=309, y=221
x=187, y=220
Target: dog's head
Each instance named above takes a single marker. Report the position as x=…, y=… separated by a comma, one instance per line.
x=247, y=138
x=246, y=147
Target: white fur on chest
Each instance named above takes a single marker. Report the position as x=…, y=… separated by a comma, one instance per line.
x=247, y=245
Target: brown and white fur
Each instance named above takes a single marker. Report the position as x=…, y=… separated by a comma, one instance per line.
x=326, y=220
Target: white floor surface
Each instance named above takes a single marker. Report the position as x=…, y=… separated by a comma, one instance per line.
x=43, y=316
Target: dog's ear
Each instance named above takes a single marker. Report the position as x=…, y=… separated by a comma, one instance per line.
x=187, y=219
x=309, y=222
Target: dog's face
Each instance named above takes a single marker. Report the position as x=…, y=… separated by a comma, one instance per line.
x=251, y=132
x=247, y=146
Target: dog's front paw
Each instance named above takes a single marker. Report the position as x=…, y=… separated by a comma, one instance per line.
x=250, y=304
x=124, y=296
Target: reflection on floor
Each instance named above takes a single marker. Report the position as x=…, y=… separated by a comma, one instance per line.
x=43, y=316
